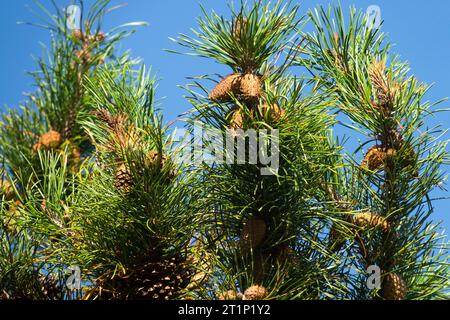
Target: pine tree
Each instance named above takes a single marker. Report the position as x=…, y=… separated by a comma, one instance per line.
x=391, y=187
x=91, y=176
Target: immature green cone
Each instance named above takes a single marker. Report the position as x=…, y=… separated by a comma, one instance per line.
x=393, y=287
x=123, y=180
x=255, y=292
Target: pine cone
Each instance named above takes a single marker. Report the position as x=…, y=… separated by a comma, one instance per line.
x=50, y=287
x=255, y=293
x=285, y=254
x=253, y=233
x=159, y=280
x=393, y=287
x=275, y=113
x=237, y=119
x=100, y=37
x=376, y=157
x=123, y=179
x=371, y=220
x=78, y=35
x=6, y=190
x=250, y=86
x=106, y=117
x=239, y=27
x=228, y=86
x=164, y=163
x=230, y=295
x=4, y=295
x=50, y=140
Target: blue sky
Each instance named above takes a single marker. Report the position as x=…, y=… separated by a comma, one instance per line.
x=420, y=30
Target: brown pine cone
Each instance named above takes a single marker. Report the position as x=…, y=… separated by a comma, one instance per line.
x=255, y=292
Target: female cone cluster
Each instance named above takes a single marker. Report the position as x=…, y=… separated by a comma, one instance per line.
x=386, y=91
x=247, y=87
x=88, y=42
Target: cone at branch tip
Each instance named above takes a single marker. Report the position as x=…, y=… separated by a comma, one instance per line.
x=371, y=220
x=248, y=86
x=239, y=27
x=376, y=157
x=255, y=292
x=49, y=140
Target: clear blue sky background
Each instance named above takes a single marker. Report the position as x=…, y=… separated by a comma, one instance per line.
x=420, y=30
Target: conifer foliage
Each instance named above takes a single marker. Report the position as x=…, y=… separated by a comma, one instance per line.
x=90, y=177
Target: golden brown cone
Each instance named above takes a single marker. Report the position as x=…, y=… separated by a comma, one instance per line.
x=237, y=119
x=229, y=85
x=251, y=86
x=371, y=220
x=78, y=34
x=123, y=180
x=393, y=287
x=376, y=157
x=230, y=295
x=255, y=292
x=100, y=37
x=253, y=233
x=239, y=27
x=275, y=112
x=49, y=140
